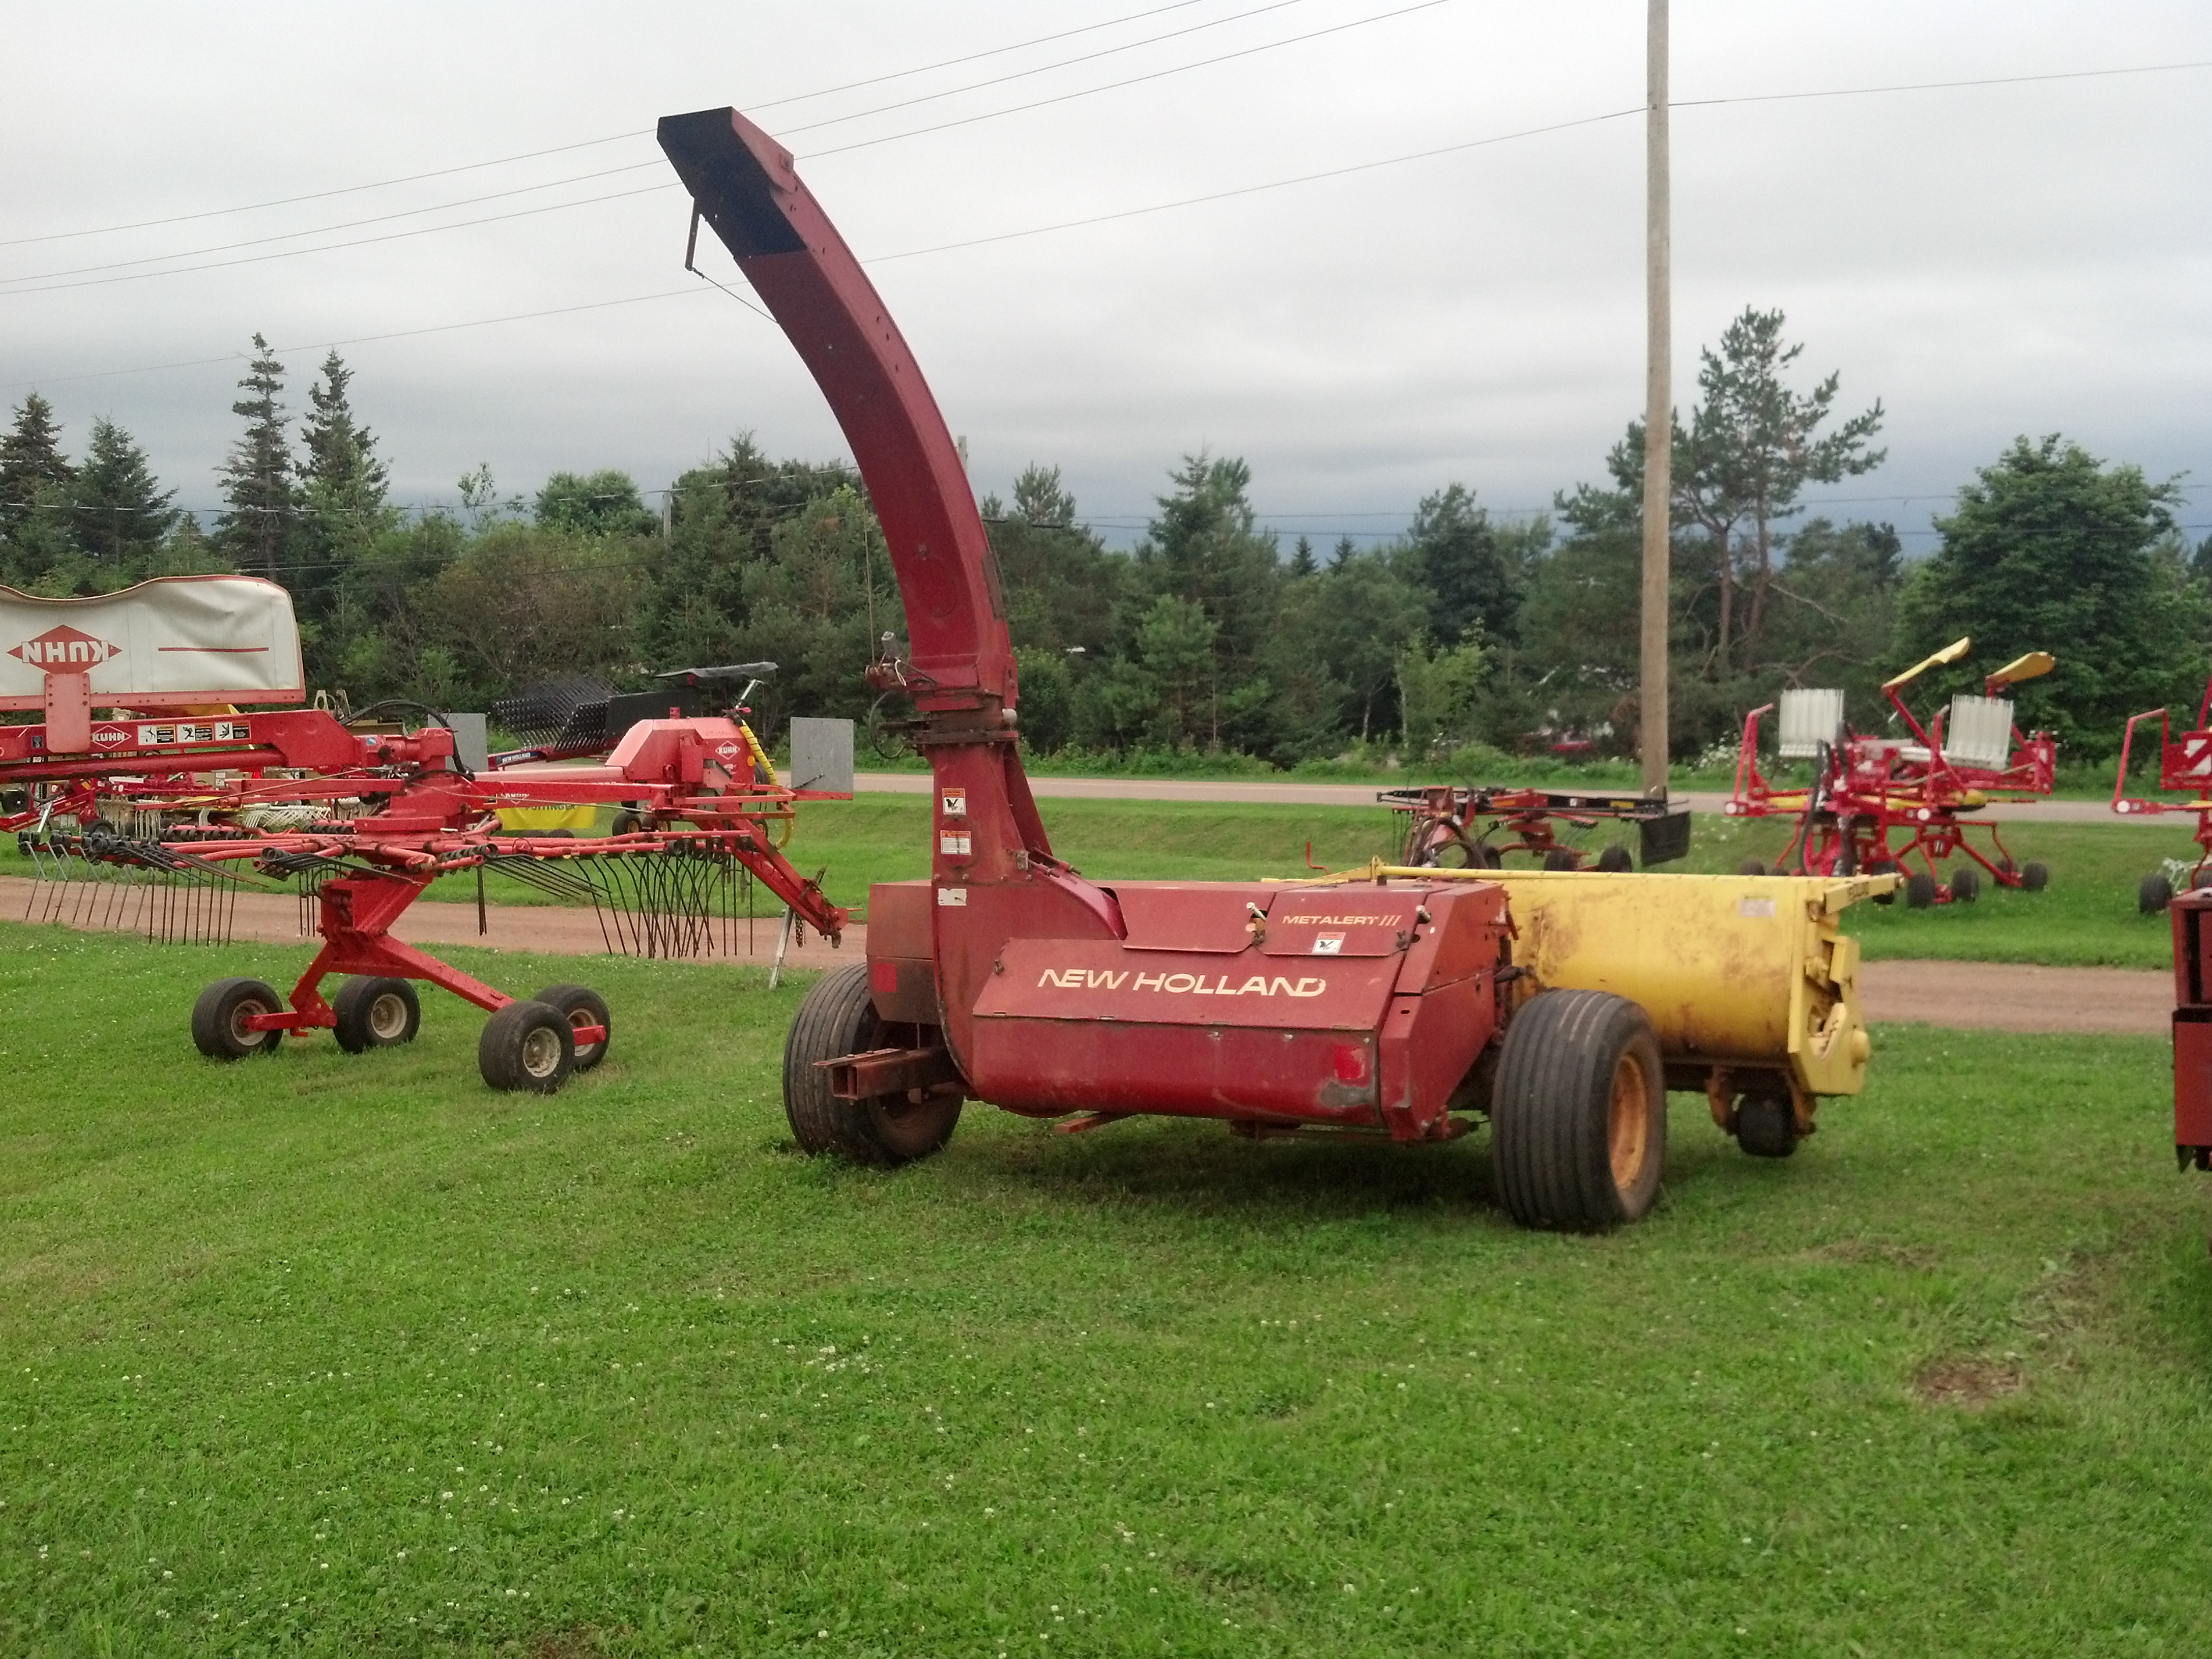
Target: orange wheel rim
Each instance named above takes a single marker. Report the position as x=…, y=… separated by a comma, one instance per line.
x=1628, y=1129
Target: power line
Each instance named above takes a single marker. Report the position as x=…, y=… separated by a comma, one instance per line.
x=1115, y=86
x=585, y=143
x=1942, y=86
x=321, y=230
x=1017, y=74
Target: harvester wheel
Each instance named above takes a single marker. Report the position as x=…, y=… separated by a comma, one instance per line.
x=526, y=1045
x=1966, y=884
x=219, y=1019
x=2034, y=877
x=1920, y=890
x=375, y=1013
x=583, y=1007
x=2154, y=894
x=1563, y=858
x=837, y=1018
x=1618, y=860
x=1752, y=867
x=1579, y=1117
x=1766, y=1124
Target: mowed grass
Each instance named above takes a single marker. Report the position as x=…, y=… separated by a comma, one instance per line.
x=329, y=1355
x=2085, y=918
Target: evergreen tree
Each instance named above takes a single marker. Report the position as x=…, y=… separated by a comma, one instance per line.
x=1455, y=554
x=31, y=461
x=123, y=513
x=343, y=482
x=1058, y=578
x=258, y=528
x=603, y=503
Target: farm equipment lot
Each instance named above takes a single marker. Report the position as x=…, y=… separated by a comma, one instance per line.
x=614, y=1371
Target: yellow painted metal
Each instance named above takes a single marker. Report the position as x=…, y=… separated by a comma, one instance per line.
x=2028, y=667
x=1742, y=972
x=1950, y=652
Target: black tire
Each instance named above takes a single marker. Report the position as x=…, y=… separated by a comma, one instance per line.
x=1487, y=857
x=1562, y=858
x=1438, y=846
x=375, y=1013
x=1766, y=1124
x=582, y=1007
x=1882, y=867
x=835, y=1019
x=1920, y=890
x=1616, y=861
x=2034, y=877
x=218, y=1028
x=2153, y=894
x=1966, y=884
x=527, y=1047
x=1579, y=1117
x=1752, y=867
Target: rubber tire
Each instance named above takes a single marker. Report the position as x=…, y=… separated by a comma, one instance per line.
x=1766, y=1126
x=220, y=1006
x=2034, y=877
x=1920, y=890
x=1562, y=858
x=2153, y=894
x=510, y=1059
x=835, y=1019
x=1550, y=1112
x=356, y=1006
x=1616, y=861
x=583, y=1007
x=1752, y=867
x=1966, y=884
x=1883, y=868
x=1487, y=857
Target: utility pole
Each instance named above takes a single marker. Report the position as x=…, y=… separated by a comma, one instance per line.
x=1658, y=404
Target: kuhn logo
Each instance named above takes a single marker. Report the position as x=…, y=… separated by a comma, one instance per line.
x=728, y=751
x=108, y=737
x=65, y=651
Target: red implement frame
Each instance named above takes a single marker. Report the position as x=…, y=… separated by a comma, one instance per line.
x=1877, y=804
x=2184, y=768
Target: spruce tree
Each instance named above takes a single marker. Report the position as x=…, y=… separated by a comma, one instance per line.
x=31, y=461
x=123, y=513
x=257, y=529
x=343, y=481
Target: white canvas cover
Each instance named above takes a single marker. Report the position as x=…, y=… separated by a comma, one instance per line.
x=173, y=642
x=1809, y=718
x=1978, y=733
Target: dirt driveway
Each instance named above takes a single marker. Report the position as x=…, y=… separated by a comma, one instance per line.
x=1997, y=996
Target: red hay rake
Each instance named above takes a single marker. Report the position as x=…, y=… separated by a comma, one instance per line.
x=1877, y=805
x=2184, y=768
x=148, y=818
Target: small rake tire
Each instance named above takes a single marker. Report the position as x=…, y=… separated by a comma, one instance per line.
x=526, y=1048
x=1920, y=890
x=2153, y=894
x=1562, y=858
x=2034, y=877
x=837, y=1017
x=1752, y=867
x=1966, y=884
x=1579, y=1116
x=375, y=1013
x=1616, y=861
x=581, y=1005
x=219, y=1016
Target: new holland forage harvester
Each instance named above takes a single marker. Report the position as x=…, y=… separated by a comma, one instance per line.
x=157, y=804
x=2185, y=767
x=1877, y=804
x=1388, y=1002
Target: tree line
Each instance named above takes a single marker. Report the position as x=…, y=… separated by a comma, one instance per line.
x=1469, y=634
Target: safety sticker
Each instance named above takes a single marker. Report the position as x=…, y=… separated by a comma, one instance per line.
x=1329, y=945
x=956, y=803
x=1754, y=907
x=953, y=896
x=954, y=844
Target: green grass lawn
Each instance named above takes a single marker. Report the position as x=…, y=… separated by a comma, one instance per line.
x=331, y=1355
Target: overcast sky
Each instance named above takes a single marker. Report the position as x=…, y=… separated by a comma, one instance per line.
x=1988, y=261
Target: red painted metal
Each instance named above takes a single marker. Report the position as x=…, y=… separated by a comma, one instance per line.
x=1272, y=1006
x=2192, y=1029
